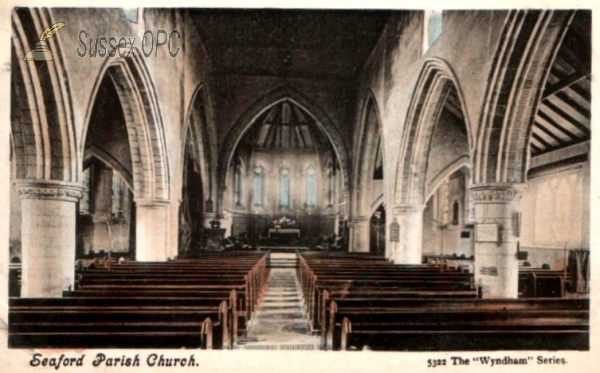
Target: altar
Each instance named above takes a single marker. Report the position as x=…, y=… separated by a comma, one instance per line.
x=286, y=233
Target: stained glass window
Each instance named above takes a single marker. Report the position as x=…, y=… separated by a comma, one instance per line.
x=284, y=187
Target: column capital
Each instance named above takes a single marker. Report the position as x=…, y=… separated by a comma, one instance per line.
x=496, y=193
x=53, y=190
x=408, y=209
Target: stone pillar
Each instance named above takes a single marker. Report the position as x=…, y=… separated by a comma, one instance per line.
x=409, y=248
x=5, y=217
x=48, y=237
x=496, y=264
x=172, y=248
x=361, y=230
x=101, y=207
x=152, y=230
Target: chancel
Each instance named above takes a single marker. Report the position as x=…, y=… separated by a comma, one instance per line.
x=401, y=180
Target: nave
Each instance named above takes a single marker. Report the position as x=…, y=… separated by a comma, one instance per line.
x=430, y=172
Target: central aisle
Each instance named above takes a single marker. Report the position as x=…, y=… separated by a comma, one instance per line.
x=279, y=323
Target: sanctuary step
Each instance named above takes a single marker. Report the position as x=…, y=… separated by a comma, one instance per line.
x=283, y=260
x=280, y=322
x=283, y=249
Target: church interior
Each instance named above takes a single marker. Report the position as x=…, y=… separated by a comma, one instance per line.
x=400, y=180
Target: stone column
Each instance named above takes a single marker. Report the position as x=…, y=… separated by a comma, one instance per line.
x=152, y=230
x=496, y=264
x=360, y=234
x=172, y=248
x=101, y=207
x=48, y=237
x=409, y=248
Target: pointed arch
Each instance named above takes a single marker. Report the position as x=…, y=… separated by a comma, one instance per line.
x=139, y=101
x=435, y=82
x=199, y=125
x=460, y=163
x=368, y=139
x=529, y=41
x=42, y=125
x=285, y=92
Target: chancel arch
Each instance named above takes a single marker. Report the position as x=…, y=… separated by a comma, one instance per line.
x=290, y=165
x=285, y=92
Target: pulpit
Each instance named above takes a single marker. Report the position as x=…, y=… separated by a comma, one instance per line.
x=213, y=236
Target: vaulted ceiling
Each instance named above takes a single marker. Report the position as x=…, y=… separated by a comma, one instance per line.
x=563, y=116
x=314, y=44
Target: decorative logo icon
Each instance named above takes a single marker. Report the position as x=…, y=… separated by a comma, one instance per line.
x=40, y=53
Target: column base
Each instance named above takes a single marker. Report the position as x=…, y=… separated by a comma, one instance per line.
x=152, y=231
x=361, y=230
x=409, y=248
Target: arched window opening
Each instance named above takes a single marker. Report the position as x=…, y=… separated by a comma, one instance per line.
x=257, y=186
x=311, y=187
x=284, y=188
x=378, y=167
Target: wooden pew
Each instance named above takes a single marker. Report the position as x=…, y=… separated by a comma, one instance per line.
x=182, y=303
x=545, y=283
x=237, y=321
x=65, y=323
x=348, y=274
x=313, y=283
x=451, y=324
x=247, y=277
x=378, y=294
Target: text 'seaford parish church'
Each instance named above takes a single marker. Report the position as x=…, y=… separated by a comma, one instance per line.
x=399, y=180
